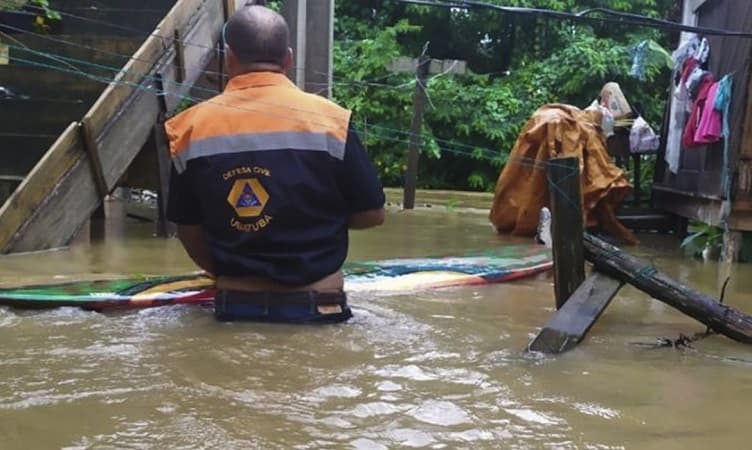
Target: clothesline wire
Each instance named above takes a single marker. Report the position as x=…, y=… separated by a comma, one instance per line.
x=366, y=82
x=451, y=147
x=149, y=77
x=168, y=40
x=584, y=16
x=520, y=160
x=141, y=86
x=371, y=82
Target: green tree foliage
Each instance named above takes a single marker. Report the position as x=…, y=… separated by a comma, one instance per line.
x=41, y=20
x=516, y=63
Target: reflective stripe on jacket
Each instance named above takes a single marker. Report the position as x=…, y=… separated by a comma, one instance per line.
x=258, y=111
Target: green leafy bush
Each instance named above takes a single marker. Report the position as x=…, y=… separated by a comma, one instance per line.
x=516, y=65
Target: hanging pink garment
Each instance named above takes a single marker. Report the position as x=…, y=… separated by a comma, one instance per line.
x=688, y=140
x=710, y=128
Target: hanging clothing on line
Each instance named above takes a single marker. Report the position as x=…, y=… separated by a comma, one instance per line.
x=698, y=107
x=709, y=131
x=685, y=51
x=692, y=55
x=722, y=104
x=723, y=101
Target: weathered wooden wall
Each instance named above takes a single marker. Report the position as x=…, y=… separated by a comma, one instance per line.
x=696, y=191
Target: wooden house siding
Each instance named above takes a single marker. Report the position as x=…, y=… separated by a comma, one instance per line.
x=695, y=192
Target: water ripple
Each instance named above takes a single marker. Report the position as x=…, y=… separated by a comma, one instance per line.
x=442, y=413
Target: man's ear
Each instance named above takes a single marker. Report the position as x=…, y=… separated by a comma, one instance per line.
x=230, y=59
x=289, y=61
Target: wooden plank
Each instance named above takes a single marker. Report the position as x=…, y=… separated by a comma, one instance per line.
x=26, y=224
x=54, y=222
x=179, y=58
x=56, y=198
x=696, y=208
x=151, y=51
x=164, y=165
x=616, y=263
x=566, y=226
x=35, y=189
x=92, y=152
x=204, y=35
x=127, y=135
x=572, y=322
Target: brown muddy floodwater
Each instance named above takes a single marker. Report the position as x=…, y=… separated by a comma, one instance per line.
x=441, y=369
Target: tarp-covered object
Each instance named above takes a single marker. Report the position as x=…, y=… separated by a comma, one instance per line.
x=555, y=131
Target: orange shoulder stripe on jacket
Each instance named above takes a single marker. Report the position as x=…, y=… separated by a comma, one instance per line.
x=263, y=110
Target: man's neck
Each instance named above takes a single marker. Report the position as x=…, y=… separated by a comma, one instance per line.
x=257, y=67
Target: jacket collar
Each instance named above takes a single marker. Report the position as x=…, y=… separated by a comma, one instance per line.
x=258, y=79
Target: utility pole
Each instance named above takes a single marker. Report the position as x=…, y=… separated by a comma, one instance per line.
x=319, y=54
x=294, y=12
x=419, y=103
x=311, y=25
x=423, y=66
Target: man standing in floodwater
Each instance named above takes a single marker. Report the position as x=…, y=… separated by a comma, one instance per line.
x=266, y=182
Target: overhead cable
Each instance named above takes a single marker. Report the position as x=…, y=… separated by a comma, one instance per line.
x=617, y=17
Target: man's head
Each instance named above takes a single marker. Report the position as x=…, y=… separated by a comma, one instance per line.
x=257, y=38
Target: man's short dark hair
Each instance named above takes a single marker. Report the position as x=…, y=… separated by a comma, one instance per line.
x=257, y=34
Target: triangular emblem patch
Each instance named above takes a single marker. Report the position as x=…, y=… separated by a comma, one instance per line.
x=248, y=198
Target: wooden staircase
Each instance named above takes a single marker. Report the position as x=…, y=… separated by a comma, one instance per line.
x=69, y=183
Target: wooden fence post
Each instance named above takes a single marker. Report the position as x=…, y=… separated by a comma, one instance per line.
x=164, y=165
x=413, y=154
x=566, y=226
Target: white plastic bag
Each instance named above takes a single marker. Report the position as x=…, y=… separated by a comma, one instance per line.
x=642, y=138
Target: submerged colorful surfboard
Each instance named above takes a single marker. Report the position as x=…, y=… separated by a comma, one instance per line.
x=496, y=265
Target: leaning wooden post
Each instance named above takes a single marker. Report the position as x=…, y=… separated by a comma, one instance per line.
x=566, y=226
x=614, y=262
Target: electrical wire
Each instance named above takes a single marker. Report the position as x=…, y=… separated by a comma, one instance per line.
x=49, y=38
x=619, y=17
x=448, y=146
x=475, y=152
x=387, y=134
x=146, y=76
x=135, y=31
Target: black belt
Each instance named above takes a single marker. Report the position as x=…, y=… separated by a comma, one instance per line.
x=270, y=298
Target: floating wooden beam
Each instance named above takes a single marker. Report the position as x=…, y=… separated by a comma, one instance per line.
x=622, y=266
x=566, y=226
x=572, y=322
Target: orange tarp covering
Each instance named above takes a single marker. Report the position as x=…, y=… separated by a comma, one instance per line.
x=555, y=131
